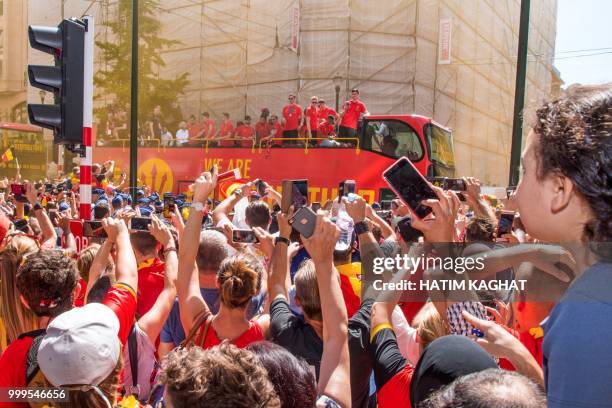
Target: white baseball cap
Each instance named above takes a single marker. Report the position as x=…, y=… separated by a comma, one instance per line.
x=81, y=346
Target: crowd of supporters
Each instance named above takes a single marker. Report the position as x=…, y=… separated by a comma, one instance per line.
x=185, y=312
x=317, y=124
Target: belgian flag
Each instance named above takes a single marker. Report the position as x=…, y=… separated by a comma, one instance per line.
x=7, y=156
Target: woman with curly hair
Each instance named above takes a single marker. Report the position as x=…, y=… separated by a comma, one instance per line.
x=565, y=196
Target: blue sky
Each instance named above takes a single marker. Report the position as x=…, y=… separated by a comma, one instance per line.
x=584, y=25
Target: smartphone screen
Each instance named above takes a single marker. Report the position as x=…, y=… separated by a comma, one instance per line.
x=168, y=205
x=340, y=191
x=410, y=186
x=93, y=229
x=140, y=223
x=299, y=196
x=407, y=231
x=385, y=205
x=244, y=237
x=261, y=188
x=505, y=223
x=349, y=187
x=17, y=189
x=437, y=181
x=454, y=184
x=287, y=186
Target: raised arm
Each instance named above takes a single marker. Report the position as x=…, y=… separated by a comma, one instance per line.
x=191, y=302
x=153, y=321
x=126, y=270
x=63, y=220
x=222, y=211
x=334, y=375
x=49, y=236
x=99, y=263
x=385, y=229
x=279, y=264
x=480, y=206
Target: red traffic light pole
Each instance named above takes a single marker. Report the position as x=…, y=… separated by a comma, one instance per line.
x=86, y=151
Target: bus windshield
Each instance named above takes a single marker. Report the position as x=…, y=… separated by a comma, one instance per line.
x=441, y=150
x=393, y=138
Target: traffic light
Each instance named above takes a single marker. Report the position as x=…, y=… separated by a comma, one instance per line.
x=66, y=43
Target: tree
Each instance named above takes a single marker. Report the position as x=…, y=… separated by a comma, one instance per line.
x=114, y=78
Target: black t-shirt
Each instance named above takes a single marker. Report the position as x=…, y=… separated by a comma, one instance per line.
x=294, y=334
x=297, y=336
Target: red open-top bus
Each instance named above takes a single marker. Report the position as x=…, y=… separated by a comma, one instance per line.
x=426, y=143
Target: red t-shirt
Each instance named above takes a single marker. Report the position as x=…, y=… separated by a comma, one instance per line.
x=262, y=130
x=326, y=129
x=396, y=392
x=193, y=129
x=352, y=113
x=208, y=125
x=121, y=299
x=245, y=132
x=226, y=129
x=292, y=114
x=531, y=342
x=351, y=300
x=252, y=335
x=150, y=284
x=312, y=115
x=324, y=113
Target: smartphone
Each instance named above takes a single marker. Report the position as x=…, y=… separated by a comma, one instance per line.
x=316, y=206
x=168, y=205
x=93, y=229
x=455, y=184
x=349, y=187
x=506, y=220
x=385, y=205
x=410, y=186
x=295, y=193
x=300, y=194
x=18, y=189
x=48, y=187
x=287, y=186
x=261, y=188
x=140, y=223
x=510, y=191
x=244, y=237
x=407, y=231
x=461, y=196
x=304, y=221
x=437, y=181
x=340, y=191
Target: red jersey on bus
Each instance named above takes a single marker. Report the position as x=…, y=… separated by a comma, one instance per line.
x=246, y=133
x=324, y=113
x=226, y=130
x=312, y=116
x=292, y=114
x=352, y=114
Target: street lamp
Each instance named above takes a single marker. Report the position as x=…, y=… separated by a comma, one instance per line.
x=337, y=81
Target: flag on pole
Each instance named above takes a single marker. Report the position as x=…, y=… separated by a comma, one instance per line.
x=8, y=155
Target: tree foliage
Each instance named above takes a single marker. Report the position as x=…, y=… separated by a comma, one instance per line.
x=113, y=79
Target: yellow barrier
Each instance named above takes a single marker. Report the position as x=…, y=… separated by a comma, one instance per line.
x=307, y=139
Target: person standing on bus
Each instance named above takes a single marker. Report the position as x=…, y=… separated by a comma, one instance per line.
x=351, y=113
x=311, y=119
x=262, y=129
x=155, y=124
x=325, y=112
x=226, y=131
x=292, y=117
x=245, y=132
x=193, y=127
x=207, y=127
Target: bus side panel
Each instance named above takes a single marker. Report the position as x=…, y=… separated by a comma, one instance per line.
x=174, y=169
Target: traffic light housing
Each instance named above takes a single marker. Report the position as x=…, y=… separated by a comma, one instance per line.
x=66, y=79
